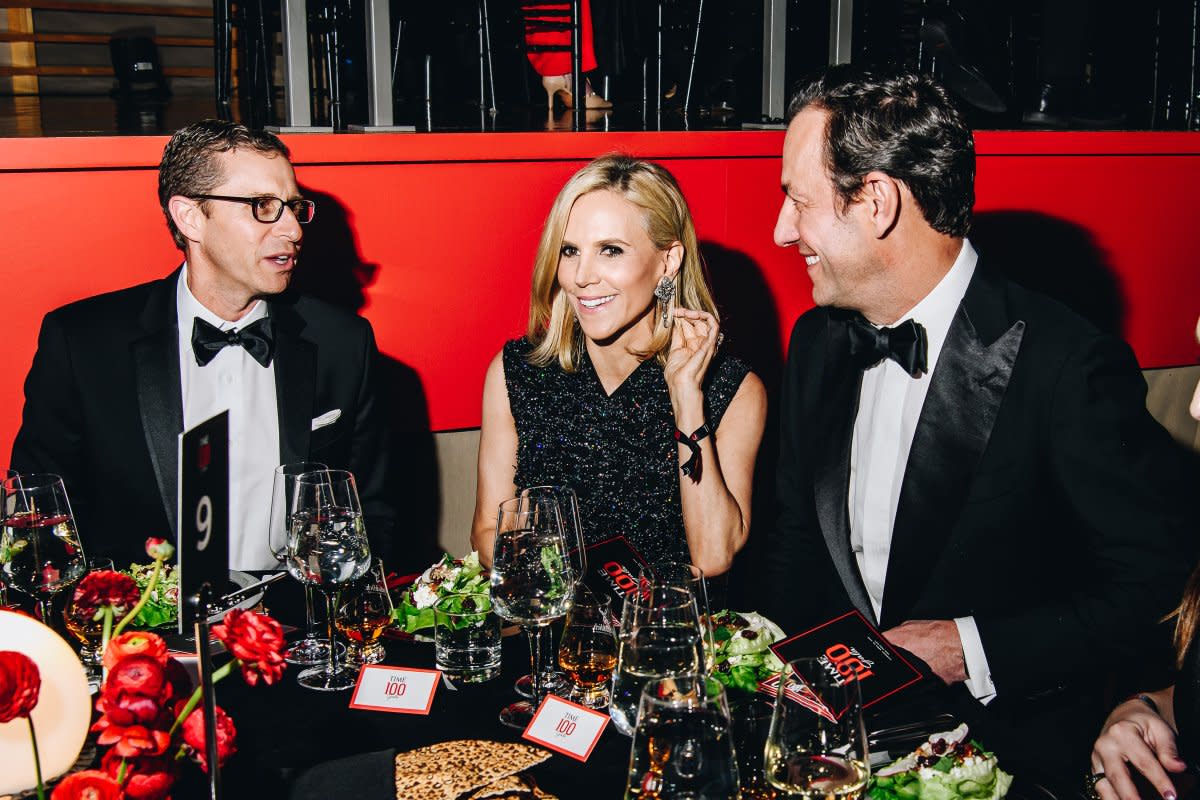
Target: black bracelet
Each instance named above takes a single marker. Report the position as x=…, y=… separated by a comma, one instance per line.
x=691, y=467
x=1147, y=700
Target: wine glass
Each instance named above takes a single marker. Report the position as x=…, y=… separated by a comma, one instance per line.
x=39, y=546
x=532, y=580
x=312, y=649
x=588, y=652
x=362, y=618
x=8, y=473
x=690, y=577
x=821, y=752
x=683, y=746
x=659, y=637
x=88, y=630
x=327, y=549
x=568, y=509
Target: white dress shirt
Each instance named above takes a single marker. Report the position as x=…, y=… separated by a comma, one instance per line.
x=889, y=406
x=233, y=381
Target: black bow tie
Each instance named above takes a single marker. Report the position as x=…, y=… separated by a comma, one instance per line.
x=208, y=340
x=905, y=344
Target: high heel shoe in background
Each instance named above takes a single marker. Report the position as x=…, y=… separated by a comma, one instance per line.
x=560, y=86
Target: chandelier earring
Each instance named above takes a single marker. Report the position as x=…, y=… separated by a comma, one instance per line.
x=665, y=293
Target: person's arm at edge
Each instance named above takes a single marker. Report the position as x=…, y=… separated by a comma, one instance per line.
x=497, y=461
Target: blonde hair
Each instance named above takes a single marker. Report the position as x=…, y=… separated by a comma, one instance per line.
x=553, y=330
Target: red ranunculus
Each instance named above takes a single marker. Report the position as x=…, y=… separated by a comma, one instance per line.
x=19, y=685
x=146, y=778
x=144, y=675
x=257, y=641
x=126, y=708
x=135, y=643
x=105, y=588
x=159, y=549
x=129, y=741
x=91, y=784
x=179, y=679
x=193, y=737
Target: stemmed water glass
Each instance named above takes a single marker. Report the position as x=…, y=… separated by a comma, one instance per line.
x=683, y=747
x=40, y=553
x=532, y=580
x=568, y=509
x=312, y=649
x=817, y=748
x=327, y=549
x=659, y=637
x=691, y=578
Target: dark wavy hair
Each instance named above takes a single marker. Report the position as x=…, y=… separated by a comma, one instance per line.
x=902, y=124
x=188, y=166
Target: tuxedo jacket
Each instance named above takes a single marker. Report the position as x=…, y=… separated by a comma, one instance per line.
x=103, y=409
x=1039, y=496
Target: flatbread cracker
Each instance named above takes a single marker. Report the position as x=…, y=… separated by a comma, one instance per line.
x=513, y=787
x=449, y=770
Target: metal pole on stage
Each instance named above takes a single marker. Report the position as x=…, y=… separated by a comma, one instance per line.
x=222, y=38
x=774, y=52
x=379, y=70
x=577, y=85
x=687, y=97
x=201, y=601
x=297, y=91
x=487, y=38
x=841, y=20
x=658, y=81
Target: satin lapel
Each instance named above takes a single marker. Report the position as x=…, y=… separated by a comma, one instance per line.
x=831, y=473
x=968, y=385
x=156, y=367
x=295, y=382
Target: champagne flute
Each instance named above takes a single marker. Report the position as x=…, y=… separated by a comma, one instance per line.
x=327, y=549
x=818, y=753
x=568, y=509
x=690, y=577
x=683, y=746
x=312, y=649
x=363, y=617
x=532, y=580
x=588, y=652
x=39, y=546
x=659, y=637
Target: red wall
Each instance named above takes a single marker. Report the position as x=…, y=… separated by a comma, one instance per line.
x=442, y=228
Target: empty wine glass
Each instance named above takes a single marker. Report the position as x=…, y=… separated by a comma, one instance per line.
x=588, y=652
x=39, y=546
x=682, y=747
x=690, y=577
x=313, y=648
x=532, y=580
x=362, y=618
x=659, y=637
x=817, y=745
x=327, y=549
x=568, y=509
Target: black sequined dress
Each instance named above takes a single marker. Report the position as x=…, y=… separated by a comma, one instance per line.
x=617, y=451
x=1187, y=704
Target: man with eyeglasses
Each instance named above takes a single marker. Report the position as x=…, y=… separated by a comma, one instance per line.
x=118, y=377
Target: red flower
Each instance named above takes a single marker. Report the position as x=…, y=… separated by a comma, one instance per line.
x=105, y=588
x=193, y=737
x=257, y=641
x=146, y=778
x=19, y=685
x=143, y=675
x=159, y=549
x=178, y=677
x=91, y=784
x=134, y=740
x=135, y=643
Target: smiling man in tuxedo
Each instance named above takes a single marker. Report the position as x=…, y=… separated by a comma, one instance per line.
x=966, y=462
x=116, y=378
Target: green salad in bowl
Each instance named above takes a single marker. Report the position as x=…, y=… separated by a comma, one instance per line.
x=742, y=656
x=414, y=611
x=946, y=767
x=162, y=608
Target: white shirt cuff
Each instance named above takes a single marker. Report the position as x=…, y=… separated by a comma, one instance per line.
x=979, y=677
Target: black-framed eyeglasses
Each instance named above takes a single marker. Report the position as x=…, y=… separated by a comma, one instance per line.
x=268, y=208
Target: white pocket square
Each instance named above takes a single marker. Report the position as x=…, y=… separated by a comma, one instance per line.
x=328, y=418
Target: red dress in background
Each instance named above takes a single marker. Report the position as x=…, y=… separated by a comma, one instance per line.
x=559, y=62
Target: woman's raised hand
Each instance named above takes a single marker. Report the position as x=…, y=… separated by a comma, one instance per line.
x=694, y=338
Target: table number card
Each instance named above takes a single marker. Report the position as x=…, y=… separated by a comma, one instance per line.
x=565, y=727
x=403, y=690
